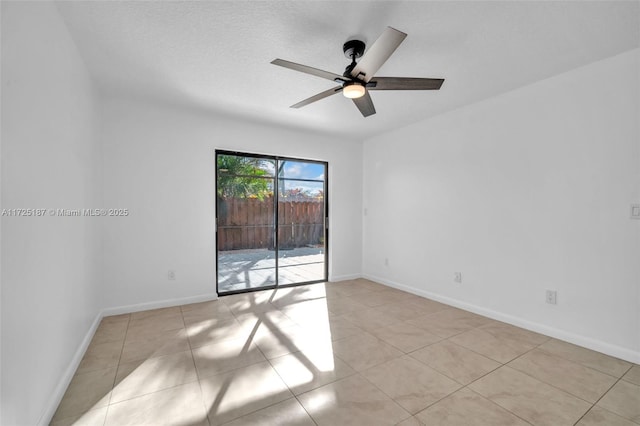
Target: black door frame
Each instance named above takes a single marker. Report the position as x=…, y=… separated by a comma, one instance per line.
x=277, y=159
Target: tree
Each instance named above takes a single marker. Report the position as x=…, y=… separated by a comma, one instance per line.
x=243, y=177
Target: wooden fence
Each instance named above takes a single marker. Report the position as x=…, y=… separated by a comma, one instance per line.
x=247, y=223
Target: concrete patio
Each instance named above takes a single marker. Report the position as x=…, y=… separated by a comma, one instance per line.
x=248, y=269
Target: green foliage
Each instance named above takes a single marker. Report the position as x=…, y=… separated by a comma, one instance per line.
x=243, y=177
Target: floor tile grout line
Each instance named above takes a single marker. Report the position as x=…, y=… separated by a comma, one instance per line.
x=106, y=415
x=291, y=390
x=577, y=363
x=478, y=353
x=462, y=384
x=558, y=388
x=486, y=374
x=397, y=403
x=262, y=408
x=305, y=409
x=602, y=396
x=580, y=363
x=204, y=405
x=550, y=385
x=115, y=377
x=498, y=405
x=453, y=343
x=231, y=369
x=502, y=364
x=153, y=392
x=149, y=393
x=187, y=335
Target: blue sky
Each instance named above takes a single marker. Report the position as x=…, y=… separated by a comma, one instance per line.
x=301, y=170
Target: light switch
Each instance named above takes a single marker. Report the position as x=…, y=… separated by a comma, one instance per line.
x=635, y=211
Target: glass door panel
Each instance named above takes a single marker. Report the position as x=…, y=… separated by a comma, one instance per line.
x=301, y=222
x=246, y=251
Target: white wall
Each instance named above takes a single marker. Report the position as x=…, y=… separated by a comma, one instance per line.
x=524, y=192
x=159, y=164
x=50, y=159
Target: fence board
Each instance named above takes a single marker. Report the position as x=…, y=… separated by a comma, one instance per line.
x=247, y=223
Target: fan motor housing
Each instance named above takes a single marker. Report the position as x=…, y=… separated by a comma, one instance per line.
x=353, y=49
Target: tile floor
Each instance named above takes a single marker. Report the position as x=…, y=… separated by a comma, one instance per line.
x=349, y=353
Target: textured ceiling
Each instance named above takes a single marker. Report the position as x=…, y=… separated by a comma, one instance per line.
x=215, y=55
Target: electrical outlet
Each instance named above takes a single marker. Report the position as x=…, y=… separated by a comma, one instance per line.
x=386, y=261
x=457, y=277
x=171, y=275
x=552, y=297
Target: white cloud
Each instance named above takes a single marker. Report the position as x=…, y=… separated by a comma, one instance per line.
x=294, y=170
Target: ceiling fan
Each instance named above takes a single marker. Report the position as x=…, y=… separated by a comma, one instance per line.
x=358, y=78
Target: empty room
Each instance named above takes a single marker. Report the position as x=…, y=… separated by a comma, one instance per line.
x=320, y=213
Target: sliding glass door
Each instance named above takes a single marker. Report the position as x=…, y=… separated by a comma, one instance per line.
x=271, y=222
x=246, y=222
x=301, y=221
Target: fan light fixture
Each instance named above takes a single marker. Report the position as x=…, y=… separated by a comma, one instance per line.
x=353, y=91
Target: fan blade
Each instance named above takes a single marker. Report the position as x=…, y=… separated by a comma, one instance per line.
x=365, y=105
x=378, y=54
x=317, y=97
x=406, y=83
x=308, y=70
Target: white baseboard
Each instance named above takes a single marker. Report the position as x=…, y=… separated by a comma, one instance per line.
x=577, y=339
x=64, y=381
x=127, y=309
x=337, y=278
